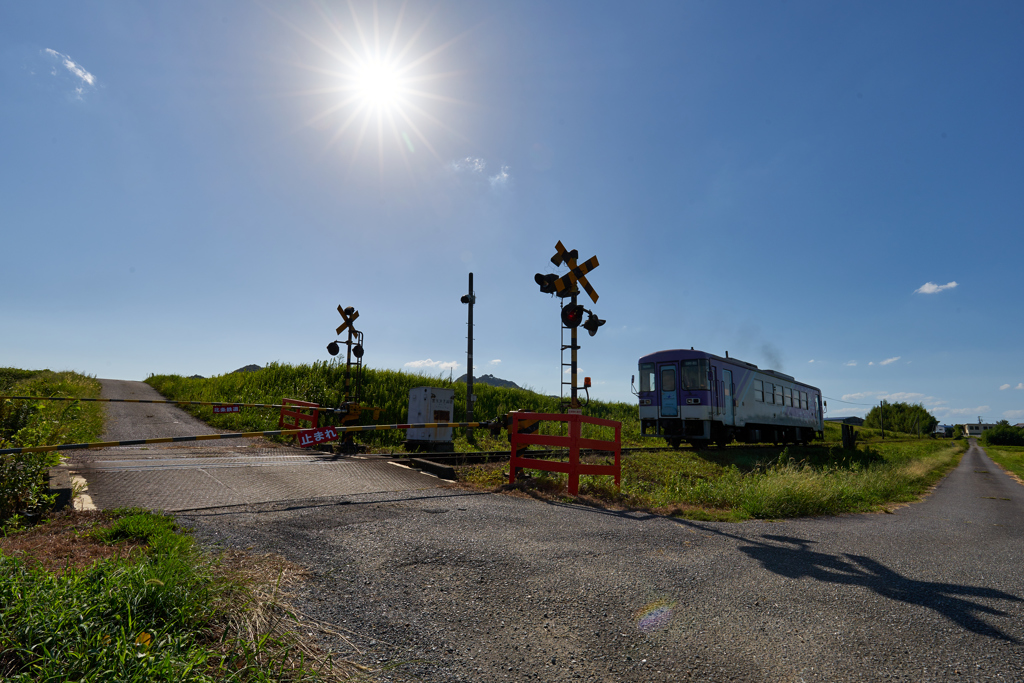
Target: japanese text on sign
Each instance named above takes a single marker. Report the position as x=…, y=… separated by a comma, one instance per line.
x=311, y=437
x=226, y=409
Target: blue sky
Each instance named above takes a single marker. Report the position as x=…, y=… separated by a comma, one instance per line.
x=833, y=190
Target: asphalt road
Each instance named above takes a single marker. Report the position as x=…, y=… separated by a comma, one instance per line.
x=447, y=585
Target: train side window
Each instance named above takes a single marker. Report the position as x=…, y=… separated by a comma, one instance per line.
x=647, y=377
x=778, y=394
x=769, y=395
x=803, y=400
x=759, y=390
x=789, y=397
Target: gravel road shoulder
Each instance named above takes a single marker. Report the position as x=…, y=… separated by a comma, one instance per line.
x=449, y=585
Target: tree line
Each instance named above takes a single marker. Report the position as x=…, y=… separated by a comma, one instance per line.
x=901, y=417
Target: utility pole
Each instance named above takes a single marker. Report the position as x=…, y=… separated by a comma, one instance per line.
x=881, y=417
x=469, y=299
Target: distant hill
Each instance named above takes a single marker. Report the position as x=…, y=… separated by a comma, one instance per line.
x=248, y=368
x=491, y=380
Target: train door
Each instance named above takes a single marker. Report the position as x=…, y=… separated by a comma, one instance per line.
x=669, y=391
x=729, y=390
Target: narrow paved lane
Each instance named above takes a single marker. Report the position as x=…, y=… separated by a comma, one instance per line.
x=454, y=586
x=214, y=473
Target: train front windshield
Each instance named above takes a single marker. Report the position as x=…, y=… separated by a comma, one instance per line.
x=647, y=377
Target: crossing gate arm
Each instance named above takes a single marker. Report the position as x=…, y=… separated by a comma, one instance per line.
x=240, y=435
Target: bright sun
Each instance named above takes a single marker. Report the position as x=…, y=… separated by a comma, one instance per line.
x=378, y=85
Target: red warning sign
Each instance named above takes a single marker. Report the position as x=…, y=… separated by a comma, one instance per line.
x=311, y=437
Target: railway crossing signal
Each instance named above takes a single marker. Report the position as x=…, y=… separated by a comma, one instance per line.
x=348, y=315
x=572, y=315
x=567, y=286
x=593, y=322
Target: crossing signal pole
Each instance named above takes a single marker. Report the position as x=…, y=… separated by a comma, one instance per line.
x=567, y=286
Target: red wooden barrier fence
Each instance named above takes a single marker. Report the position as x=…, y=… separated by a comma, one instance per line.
x=574, y=442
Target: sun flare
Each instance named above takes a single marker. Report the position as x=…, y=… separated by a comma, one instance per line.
x=383, y=86
x=378, y=84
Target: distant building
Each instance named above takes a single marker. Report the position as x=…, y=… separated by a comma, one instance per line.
x=1019, y=425
x=858, y=421
x=977, y=429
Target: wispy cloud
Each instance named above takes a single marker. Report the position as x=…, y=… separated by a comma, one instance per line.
x=850, y=364
x=501, y=179
x=932, y=288
x=85, y=79
x=902, y=396
x=496, y=361
x=436, y=364
x=973, y=412
x=1020, y=385
x=1013, y=414
x=889, y=361
x=860, y=395
x=469, y=165
x=1004, y=387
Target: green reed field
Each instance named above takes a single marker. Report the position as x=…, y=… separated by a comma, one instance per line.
x=735, y=483
x=324, y=383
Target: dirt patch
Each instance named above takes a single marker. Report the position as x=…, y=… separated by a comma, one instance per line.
x=64, y=540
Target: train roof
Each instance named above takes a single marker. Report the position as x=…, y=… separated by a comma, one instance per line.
x=695, y=353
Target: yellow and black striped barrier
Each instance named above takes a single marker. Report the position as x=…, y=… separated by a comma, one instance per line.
x=146, y=400
x=241, y=435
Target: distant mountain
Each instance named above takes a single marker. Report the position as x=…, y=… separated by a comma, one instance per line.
x=248, y=368
x=491, y=380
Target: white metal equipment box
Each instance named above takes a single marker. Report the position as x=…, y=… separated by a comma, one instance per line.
x=430, y=404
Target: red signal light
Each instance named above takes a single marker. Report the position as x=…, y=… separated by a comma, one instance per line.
x=572, y=315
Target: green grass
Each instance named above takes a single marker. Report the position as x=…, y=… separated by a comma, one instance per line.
x=740, y=483
x=163, y=613
x=23, y=424
x=1010, y=457
x=323, y=383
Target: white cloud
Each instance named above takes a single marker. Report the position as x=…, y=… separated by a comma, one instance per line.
x=437, y=364
x=811, y=360
x=1004, y=387
x=500, y=180
x=1013, y=414
x=850, y=364
x=871, y=362
x=932, y=288
x=86, y=79
x=496, y=361
x=1020, y=385
x=469, y=165
x=887, y=361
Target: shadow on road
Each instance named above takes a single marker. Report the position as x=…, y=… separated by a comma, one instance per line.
x=794, y=558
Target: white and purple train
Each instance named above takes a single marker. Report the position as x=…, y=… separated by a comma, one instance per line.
x=703, y=399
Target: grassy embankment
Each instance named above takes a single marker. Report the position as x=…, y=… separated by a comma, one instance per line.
x=1010, y=457
x=739, y=482
x=124, y=596
x=23, y=477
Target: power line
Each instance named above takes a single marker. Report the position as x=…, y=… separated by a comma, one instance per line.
x=848, y=402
